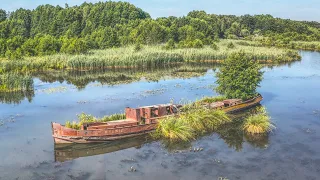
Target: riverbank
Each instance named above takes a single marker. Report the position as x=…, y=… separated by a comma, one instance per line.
x=148, y=56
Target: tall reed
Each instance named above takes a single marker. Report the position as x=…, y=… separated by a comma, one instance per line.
x=149, y=56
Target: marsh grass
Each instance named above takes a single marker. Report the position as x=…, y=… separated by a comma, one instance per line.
x=258, y=123
x=188, y=125
x=149, y=56
x=87, y=118
x=174, y=129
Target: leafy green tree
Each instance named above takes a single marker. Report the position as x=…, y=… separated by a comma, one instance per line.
x=149, y=32
x=3, y=15
x=3, y=46
x=170, y=44
x=74, y=46
x=239, y=76
x=214, y=46
x=14, y=54
x=29, y=47
x=197, y=43
x=48, y=45
x=14, y=43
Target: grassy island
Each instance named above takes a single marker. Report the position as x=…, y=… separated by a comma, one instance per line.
x=148, y=56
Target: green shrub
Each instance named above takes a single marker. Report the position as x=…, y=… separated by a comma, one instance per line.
x=170, y=45
x=258, y=123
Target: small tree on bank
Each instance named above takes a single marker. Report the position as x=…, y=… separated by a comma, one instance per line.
x=239, y=76
x=170, y=45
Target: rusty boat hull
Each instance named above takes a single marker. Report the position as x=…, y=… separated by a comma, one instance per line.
x=138, y=122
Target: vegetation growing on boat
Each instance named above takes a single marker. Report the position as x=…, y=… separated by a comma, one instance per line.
x=87, y=118
x=212, y=99
x=191, y=123
x=174, y=129
x=258, y=123
x=239, y=76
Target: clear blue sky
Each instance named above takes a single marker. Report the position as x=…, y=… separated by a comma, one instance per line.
x=292, y=9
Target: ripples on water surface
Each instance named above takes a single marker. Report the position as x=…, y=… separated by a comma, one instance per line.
x=291, y=95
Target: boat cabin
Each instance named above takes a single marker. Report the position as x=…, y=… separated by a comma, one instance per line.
x=136, y=116
x=149, y=114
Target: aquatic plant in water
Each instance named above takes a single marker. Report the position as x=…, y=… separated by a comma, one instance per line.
x=174, y=129
x=258, y=123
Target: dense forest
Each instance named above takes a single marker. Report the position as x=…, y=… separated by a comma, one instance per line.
x=50, y=29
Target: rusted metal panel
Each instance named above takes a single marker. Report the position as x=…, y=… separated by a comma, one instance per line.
x=216, y=105
x=133, y=114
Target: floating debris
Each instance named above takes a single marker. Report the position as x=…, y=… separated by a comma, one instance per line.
x=132, y=169
x=82, y=102
x=222, y=178
x=54, y=90
x=128, y=160
x=156, y=91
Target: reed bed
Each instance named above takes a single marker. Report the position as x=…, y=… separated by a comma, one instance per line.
x=87, y=118
x=148, y=56
x=299, y=45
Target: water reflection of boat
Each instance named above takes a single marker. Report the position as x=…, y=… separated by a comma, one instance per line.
x=66, y=152
x=138, y=121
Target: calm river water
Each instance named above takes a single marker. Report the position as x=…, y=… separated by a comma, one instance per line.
x=291, y=95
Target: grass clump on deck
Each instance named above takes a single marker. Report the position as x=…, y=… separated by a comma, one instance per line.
x=87, y=118
x=190, y=124
x=212, y=99
x=258, y=123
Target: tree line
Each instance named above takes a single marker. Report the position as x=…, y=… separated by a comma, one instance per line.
x=51, y=29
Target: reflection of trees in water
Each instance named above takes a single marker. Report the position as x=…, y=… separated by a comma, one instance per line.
x=15, y=87
x=16, y=97
x=122, y=76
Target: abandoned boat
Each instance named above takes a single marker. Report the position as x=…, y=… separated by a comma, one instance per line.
x=138, y=121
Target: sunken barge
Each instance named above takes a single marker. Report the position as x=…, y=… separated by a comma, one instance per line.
x=138, y=121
